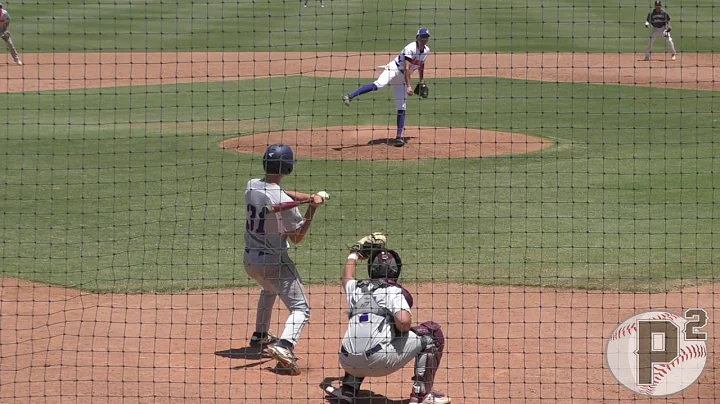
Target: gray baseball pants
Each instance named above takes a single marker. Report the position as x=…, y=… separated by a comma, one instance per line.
x=656, y=32
x=278, y=277
x=394, y=357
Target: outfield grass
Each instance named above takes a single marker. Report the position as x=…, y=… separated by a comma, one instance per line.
x=126, y=190
x=353, y=25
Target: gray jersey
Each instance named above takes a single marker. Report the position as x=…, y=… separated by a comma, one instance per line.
x=268, y=234
x=359, y=337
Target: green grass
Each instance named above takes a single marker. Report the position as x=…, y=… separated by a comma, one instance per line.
x=126, y=190
x=352, y=25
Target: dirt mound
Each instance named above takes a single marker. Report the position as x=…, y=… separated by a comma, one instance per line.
x=374, y=143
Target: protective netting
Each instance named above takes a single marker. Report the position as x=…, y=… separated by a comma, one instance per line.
x=551, y=196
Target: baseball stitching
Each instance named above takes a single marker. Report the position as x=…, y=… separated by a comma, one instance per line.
x=659, y=371
x=687, y=353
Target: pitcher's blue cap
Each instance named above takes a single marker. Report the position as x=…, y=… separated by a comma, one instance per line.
x=423, y=32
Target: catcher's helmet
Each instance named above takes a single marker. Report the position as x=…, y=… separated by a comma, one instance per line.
x=278, y=159
x=385, y=264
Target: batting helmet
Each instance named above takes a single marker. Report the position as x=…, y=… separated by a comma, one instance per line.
x=423, y=33
x=278, y=159
x=385, y=264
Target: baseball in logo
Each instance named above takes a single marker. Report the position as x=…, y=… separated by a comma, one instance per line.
x=658, y=353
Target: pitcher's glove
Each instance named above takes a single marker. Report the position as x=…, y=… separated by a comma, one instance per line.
x=422, y=90
x=5, y=35
x=369, y=244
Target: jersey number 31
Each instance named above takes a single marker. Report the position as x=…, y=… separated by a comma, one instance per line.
x=253, y=218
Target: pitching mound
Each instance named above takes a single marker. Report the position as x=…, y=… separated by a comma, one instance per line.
x=375, y=143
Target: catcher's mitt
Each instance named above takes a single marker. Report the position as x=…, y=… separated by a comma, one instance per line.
x=422, y=90
x=368, y=244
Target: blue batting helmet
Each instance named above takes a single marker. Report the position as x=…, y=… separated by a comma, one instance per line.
x=423, y=33
x=278, y=159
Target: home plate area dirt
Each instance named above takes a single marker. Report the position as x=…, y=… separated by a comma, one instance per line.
x=525, y=344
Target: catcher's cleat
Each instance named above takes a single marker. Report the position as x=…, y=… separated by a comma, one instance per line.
x=434, y=397
x=286, y=359
x=344, y=395
x=259, y=340
x=346, y=100
x=399, y=142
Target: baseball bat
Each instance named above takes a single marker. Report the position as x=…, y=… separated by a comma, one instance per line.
x=283, y=206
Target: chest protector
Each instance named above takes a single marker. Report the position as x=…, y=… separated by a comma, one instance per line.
x=367, y=304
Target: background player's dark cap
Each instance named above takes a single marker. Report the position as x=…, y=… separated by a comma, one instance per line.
x=658, y=3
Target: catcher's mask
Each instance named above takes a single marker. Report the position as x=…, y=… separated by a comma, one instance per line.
x=385, y=264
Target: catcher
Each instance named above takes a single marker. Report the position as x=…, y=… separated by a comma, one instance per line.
x=660, y=21
x=5, y=34
x=380, y=339
x=397, y=72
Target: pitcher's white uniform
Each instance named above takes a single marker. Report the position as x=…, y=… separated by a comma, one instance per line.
x=394, y=73
x=415, y=54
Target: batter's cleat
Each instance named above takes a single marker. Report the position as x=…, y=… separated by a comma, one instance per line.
x=673, y=57
x=260, y=341
x=286, y=358
x=18, y=62
x=346, y=100
x=434, y=397
x=399, y=142
x=646, y=58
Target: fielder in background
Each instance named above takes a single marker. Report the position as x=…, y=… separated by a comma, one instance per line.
x=5, y=34
x=660, y=21
x=379, y=339
x=266, y=258
x=397, y=73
